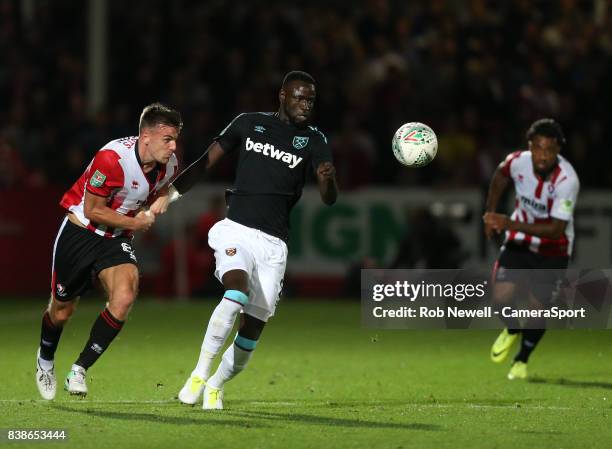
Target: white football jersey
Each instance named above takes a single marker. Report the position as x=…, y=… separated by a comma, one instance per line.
x=115, y=173
x=540, y=200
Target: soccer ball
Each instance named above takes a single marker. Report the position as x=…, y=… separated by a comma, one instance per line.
x=415, y=144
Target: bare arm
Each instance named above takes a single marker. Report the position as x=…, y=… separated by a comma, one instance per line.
x=326, y=179
x=553, y=229
x=499, y=223
x=499, y=184
x=96, y=210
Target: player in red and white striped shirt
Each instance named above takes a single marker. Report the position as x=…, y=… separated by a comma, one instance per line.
x=538, y=235
x=104, y=208
x=118, y=180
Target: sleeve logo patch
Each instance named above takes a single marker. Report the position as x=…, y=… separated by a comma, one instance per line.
x=567, y=206
x=97, y=179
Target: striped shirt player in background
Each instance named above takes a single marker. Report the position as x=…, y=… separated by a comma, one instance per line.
x=538, y=236
x=104, y=208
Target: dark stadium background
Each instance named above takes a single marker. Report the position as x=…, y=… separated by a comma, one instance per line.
x=74, y=75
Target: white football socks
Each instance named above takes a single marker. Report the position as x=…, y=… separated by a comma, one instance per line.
x=47, y=365
x=234, y=360
x=219, y=327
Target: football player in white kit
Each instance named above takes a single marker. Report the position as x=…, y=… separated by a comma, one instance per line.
x=103, y=210
x=276, y=152
x=538, y=237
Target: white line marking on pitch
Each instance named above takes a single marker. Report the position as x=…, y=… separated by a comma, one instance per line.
x=295, y=404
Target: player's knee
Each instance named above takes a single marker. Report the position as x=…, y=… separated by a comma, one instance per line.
x=121, y=301
x=119, y=310
x=236, y=296
x=131, y=282
x=60, y=317
x=503, y=294
x=125, y=295
x=60, y=312
x=236, y=280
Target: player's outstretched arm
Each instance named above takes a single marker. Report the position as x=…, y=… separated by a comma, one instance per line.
x=188, y=177
x=326, y=179
x=96, y=210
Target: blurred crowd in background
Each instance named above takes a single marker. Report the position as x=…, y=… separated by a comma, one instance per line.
x=478, y=72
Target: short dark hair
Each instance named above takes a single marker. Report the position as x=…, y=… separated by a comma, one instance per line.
x=546, y=127
x=159, y=114
x=298, y=75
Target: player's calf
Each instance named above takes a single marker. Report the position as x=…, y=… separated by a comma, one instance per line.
x=52, y=325
x=105, y=329
x=120, y=304
x=50, y=333
x=219, y=327
x=61, y=311
x=121, y=284
x=235, y=360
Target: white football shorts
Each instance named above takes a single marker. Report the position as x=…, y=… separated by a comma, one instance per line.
x=262, y=256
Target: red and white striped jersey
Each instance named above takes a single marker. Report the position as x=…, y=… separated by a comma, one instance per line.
x=115, y=173
x=540, y=200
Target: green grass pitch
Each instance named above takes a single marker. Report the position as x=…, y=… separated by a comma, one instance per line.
x=317, y=380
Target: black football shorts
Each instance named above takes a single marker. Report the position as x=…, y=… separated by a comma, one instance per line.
x=79, y=254
x=541, y=274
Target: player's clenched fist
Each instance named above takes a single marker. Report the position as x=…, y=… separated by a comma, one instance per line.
x=495, y=222
x=144, y=220
x=326, y=170
x=160, y=205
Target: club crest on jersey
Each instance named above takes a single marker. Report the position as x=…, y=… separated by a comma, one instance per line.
x=230, y=251
x=300, y=142
x=61, y=290
x=259, y=129
x=97, y=179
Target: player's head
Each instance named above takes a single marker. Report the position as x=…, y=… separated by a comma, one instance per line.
x=297, y=97
x=158, y=131
x=545, y=138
